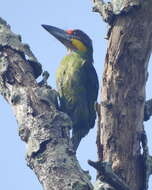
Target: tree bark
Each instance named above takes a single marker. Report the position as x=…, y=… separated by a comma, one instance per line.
x=41, y=125
x=123, y=95
x=123, y=163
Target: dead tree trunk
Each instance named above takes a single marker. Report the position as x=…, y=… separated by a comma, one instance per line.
x=123, y=92
x=124, y=162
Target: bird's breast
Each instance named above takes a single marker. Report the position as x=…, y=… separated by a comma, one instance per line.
x=69, y=68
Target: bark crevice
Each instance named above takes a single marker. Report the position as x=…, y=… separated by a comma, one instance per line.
x=44, y=128
x=123, y=92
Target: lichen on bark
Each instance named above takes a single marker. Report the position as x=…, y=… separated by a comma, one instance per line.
x=44, y=128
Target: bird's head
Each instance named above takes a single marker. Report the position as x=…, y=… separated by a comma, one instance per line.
x=75, y=40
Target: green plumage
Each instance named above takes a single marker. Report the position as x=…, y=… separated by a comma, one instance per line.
x=77, y=85
x=77, y=81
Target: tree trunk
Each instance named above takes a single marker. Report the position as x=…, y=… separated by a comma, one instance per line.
x=41, y=125
x=46, y=130
x=123, y=95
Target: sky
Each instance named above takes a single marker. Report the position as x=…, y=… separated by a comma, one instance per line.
x=25, y=18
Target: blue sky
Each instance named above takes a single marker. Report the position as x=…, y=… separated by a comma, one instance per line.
x=25, y=18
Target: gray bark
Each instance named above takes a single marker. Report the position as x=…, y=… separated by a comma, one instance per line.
x=123, y=93
x=122, y=165
x=148, y=110
x=41, y=125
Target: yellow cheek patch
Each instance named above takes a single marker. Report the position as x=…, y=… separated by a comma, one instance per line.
x=79, y=45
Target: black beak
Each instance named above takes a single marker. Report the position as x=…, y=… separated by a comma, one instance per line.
x=59, y=34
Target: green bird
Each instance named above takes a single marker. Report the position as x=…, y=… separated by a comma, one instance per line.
x=77, y=81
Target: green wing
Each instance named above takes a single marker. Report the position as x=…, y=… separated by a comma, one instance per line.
x=92, y=87
x=77, y=85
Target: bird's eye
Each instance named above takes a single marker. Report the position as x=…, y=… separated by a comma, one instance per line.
x=69, y=31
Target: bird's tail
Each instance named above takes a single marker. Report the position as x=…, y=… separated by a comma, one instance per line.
x=76, y=140
x=77, y=135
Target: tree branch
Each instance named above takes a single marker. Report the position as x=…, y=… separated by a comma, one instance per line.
x=110, y=10
x=41, y=125
x=147, y=160
x=148, y=110
x=107, y=175
x=104, y=9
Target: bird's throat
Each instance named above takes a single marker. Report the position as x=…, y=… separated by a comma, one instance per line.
x=83, y=54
